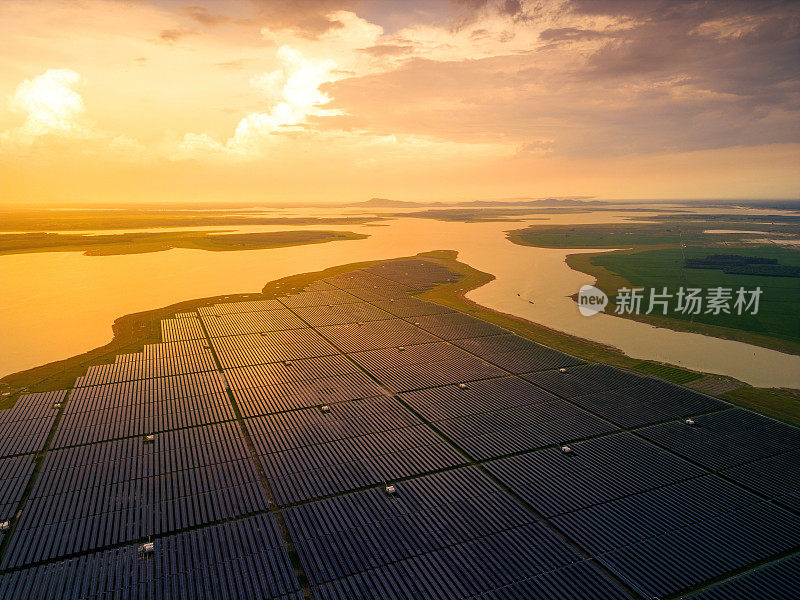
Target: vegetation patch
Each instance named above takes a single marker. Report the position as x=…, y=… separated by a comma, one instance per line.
x=138, y=243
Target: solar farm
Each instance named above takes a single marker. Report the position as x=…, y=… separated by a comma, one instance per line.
x=353, y=441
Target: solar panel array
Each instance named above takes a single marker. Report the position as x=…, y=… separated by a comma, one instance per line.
x=190, y=469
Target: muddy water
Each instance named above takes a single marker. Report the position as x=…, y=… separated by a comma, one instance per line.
x=55, y=305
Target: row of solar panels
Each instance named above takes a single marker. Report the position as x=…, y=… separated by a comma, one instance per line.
x=312, y=453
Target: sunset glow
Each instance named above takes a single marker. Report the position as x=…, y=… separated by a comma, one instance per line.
x=107, y=101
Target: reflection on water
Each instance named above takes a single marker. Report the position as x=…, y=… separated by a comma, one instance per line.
x=55, y=305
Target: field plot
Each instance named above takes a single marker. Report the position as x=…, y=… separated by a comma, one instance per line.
x=251, y=322
x=516, y=354
x=89, y=497
x=423, y=366
x=308, y=454
x=372, y=538
x=494, y=430
x=144, y=407
x=26, y=426
x=275, y=346
x=400, y=450
x=240, y=559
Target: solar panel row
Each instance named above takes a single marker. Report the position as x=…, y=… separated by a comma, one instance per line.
x=777, y=580
x=340, y=314
x=141, y=419
x=333, y=467
x=28, y=423
x=251, y=322
x=225, y=308
x=516, y=354
x=94, y=496
x=188, y=328
x=144, y=391
x=147, y=369
x=344, y=535
x=275, y=346
x=15, y=472
x=638, y=506
x=238, y=559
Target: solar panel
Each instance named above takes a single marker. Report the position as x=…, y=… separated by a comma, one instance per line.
x=455, y=325
x=409, y=307
x=774, y=477
x=186, y=328
x=490, y=395
x=726, y=438
x=634, y=518
x=252, y=322
x=677, y=560
x=374, y=335
x=317, y=298
x=516, y=354
x=238, y=559
x=424, y=365
x=323, y=469
x=275, y=346
x=578, y=580
x=777, y=580
x=462, y=570
x=507, y=431
x=347, y=534
x=15, y=472
x=339, y=314
x=225, y=308
x=597, y=471
x=28, y=423
x=649, y=402
x=92, y=496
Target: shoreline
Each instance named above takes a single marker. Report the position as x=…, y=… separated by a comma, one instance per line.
x=607, y=280
x=131, y=332
x=118, y=244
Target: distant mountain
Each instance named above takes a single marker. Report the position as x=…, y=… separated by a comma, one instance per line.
x=387, y=203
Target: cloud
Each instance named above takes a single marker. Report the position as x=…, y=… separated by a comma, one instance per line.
x=174, y=35
x=50, y=106
x=294, y=95
x=387, y=50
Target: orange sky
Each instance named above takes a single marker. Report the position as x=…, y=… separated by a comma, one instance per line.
x=324, y=100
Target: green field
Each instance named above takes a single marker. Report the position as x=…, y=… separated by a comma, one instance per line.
x=139, y=243
x=779, y=307
x=669, y=230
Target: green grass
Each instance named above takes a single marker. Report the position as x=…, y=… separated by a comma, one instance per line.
x=670, y=230
x=667, y=372
x=138, y=243
x=779, y=304
x=780, y=404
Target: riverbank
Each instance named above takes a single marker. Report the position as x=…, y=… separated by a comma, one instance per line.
x=140, y=243
x=132, y=332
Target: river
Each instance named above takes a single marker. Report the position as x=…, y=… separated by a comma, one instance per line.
x=58, y=304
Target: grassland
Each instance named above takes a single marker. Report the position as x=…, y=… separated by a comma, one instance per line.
x=132, y=332
x=16, y=220
x=138, y=243
x=667, y=230
x=651, y=255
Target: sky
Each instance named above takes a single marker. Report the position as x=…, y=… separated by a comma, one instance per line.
x=122, y=101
